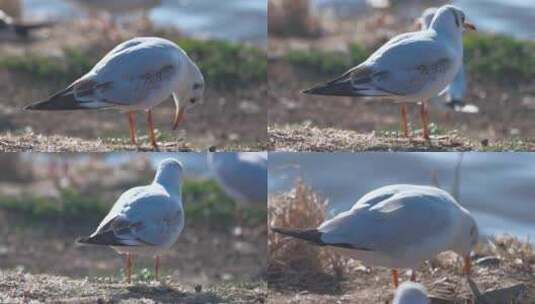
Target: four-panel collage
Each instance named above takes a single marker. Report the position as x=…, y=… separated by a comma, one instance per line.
x=267, y=151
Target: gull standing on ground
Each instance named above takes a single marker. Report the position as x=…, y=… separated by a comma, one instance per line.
x=242, y=175
x=452, y=98
x=411, y=293
x=136, y=75
x=398, y=226
x=145, y=220
x=411, y=67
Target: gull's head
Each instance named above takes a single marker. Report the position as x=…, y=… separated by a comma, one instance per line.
x=466, y=238
x=451, y=19
x=411, y=293
x=169, y=173
x=190, y=91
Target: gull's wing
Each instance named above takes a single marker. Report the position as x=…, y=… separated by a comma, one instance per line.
x=406, y=65
x=141, y=216
x=399, y=221
x=131, y=73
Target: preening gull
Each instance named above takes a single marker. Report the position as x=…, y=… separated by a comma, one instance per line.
x=136, y=75
x=397, y=226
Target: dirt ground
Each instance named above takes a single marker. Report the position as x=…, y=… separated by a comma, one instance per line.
x=226, y=118
x=506, y=112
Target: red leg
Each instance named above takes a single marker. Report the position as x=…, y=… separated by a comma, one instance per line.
x=467, y=265
x=424, y=119
x=395, y=278
x=151, y=130
x=404, y=120
x=128, y=268
x=132, y=126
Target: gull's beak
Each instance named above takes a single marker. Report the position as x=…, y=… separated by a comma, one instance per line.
x=179, y=114
x=469, y=26
x=467, y=269
x=179, y=117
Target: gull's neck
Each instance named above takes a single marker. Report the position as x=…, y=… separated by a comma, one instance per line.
x=171, y=181
x=446, y=29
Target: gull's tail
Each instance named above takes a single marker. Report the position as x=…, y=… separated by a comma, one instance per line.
x=107, y=239
x=61, y=101
x=311, y=235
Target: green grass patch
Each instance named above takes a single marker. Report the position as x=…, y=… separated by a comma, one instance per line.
x=224, y=65
x=499, y=58
x=204, y=202
x=327, y=63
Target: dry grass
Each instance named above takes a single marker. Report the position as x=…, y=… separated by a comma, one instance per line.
x=300, y=208
x=29, y=141
x=304, y=137
x=19, y=287
x=292, y=18
x=301, y=273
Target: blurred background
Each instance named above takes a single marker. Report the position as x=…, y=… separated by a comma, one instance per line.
x=48, y=200
x=226, y=39
x=496, y=187
x=313, y=40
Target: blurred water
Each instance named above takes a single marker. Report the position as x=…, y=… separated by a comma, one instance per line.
x=497, y=187
x=510, y=17
x=233, y=20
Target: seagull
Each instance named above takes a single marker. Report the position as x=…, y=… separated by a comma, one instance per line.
x=136, y=75
x=452, y=98
x=411, y=293
x=145, y=220
x=242, y=175
x=9, y=26
x=411, y=67
x=397, y=226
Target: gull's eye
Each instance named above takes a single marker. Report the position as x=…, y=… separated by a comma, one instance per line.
x=193, y=100
x=197, y=86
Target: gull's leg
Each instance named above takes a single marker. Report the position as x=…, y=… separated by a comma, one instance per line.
x=424, y=119
x=157, y=267
x=132, y=126
x=395, y=278
x=404, y=120
x=467, y=269
x=129, y=264
x=413, y=275
x=151, y=130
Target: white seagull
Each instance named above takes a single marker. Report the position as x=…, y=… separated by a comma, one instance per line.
x=145, y=220
x=411, y=67
x=452, y=98
x=242, y=175
x=411, y=293
x=135, y=76
x=398, y=226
